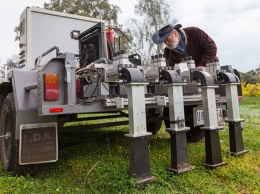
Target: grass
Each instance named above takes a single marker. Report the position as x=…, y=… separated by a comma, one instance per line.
x=250, y=101
x=97, y=161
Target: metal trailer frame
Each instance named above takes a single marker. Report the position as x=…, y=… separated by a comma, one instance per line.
x=36, y=123
x=32, y=109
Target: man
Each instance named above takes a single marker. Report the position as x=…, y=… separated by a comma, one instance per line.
x=184, y=42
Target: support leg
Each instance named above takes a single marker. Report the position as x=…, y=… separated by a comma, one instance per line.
x=139, y=160
x=236, y=139
x=179, y=153
x=213, y=150
x=212, y=142
x=177, y=130
x=139, y=154
x=234, y=121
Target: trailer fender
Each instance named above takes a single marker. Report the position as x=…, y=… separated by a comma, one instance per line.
x=26, y=102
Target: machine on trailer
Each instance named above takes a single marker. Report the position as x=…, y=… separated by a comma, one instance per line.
x=60, y=78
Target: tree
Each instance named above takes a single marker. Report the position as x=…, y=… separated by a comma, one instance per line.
x=155, y=13
x=257, y=71
x=248, y=77
x=17, y=31
x=100, y=9
x=252, y=72
x=258, y=78
x=123, y=39
x=13, y=62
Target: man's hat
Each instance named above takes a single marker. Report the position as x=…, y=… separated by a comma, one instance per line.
x=161, y=35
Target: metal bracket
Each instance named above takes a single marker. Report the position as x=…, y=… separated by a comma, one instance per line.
x=119, y=102
x=161, y=100
x=180, y=122
x=228, y=77
x=170, y=76
x=132, y=75
x=205, y=78
x=70, y=66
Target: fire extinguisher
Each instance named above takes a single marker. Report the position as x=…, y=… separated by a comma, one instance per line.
x=111, y=40
x=110, y=34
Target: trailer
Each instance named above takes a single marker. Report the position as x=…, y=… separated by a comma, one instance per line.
x=68, y=66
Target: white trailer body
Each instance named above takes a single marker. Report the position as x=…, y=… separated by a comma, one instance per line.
x=42, y=29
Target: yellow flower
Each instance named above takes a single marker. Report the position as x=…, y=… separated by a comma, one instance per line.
x=250, y=89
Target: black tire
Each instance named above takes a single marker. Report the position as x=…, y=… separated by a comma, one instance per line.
x=195, y=134
x=9, y=146
x=2, y=98
x=154, y=126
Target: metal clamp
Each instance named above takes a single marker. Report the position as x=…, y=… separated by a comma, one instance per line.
x=132, y=75
x=180, y=122
x=171, y=76
x=228, y=77
x=205, y=78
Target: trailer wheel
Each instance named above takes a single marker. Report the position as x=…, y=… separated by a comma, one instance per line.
x=154, y=126
x=195, y=134
x=9, y=146
x=1, y=100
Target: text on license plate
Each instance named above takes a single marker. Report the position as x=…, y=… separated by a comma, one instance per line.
x=199, y=117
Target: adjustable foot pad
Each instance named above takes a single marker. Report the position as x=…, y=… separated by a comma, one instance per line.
x=212, y=166
x=181, y=170
x=238, y=153
x=146, y=180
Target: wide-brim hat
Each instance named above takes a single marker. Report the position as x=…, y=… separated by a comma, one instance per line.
x=161, y=35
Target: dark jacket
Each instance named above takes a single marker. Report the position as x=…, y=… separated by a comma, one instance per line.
x=198, y=45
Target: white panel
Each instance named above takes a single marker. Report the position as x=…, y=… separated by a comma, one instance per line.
x=46, y=29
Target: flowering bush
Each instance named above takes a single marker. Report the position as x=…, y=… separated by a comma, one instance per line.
x=250, y=89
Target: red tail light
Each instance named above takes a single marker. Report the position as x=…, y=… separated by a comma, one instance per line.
x=54, y=110
x=240, y=98
x=51, y=87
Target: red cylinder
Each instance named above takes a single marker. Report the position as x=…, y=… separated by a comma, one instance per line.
x=110, y=35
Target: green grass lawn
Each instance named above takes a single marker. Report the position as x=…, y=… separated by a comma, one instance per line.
x=107, y=150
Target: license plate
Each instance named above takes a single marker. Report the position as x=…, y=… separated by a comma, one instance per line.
x=199, y=116
x=38, y=143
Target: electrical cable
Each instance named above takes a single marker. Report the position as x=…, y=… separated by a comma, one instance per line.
x=137, y=48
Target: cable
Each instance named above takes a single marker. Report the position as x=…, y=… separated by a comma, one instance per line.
x=137, y=48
